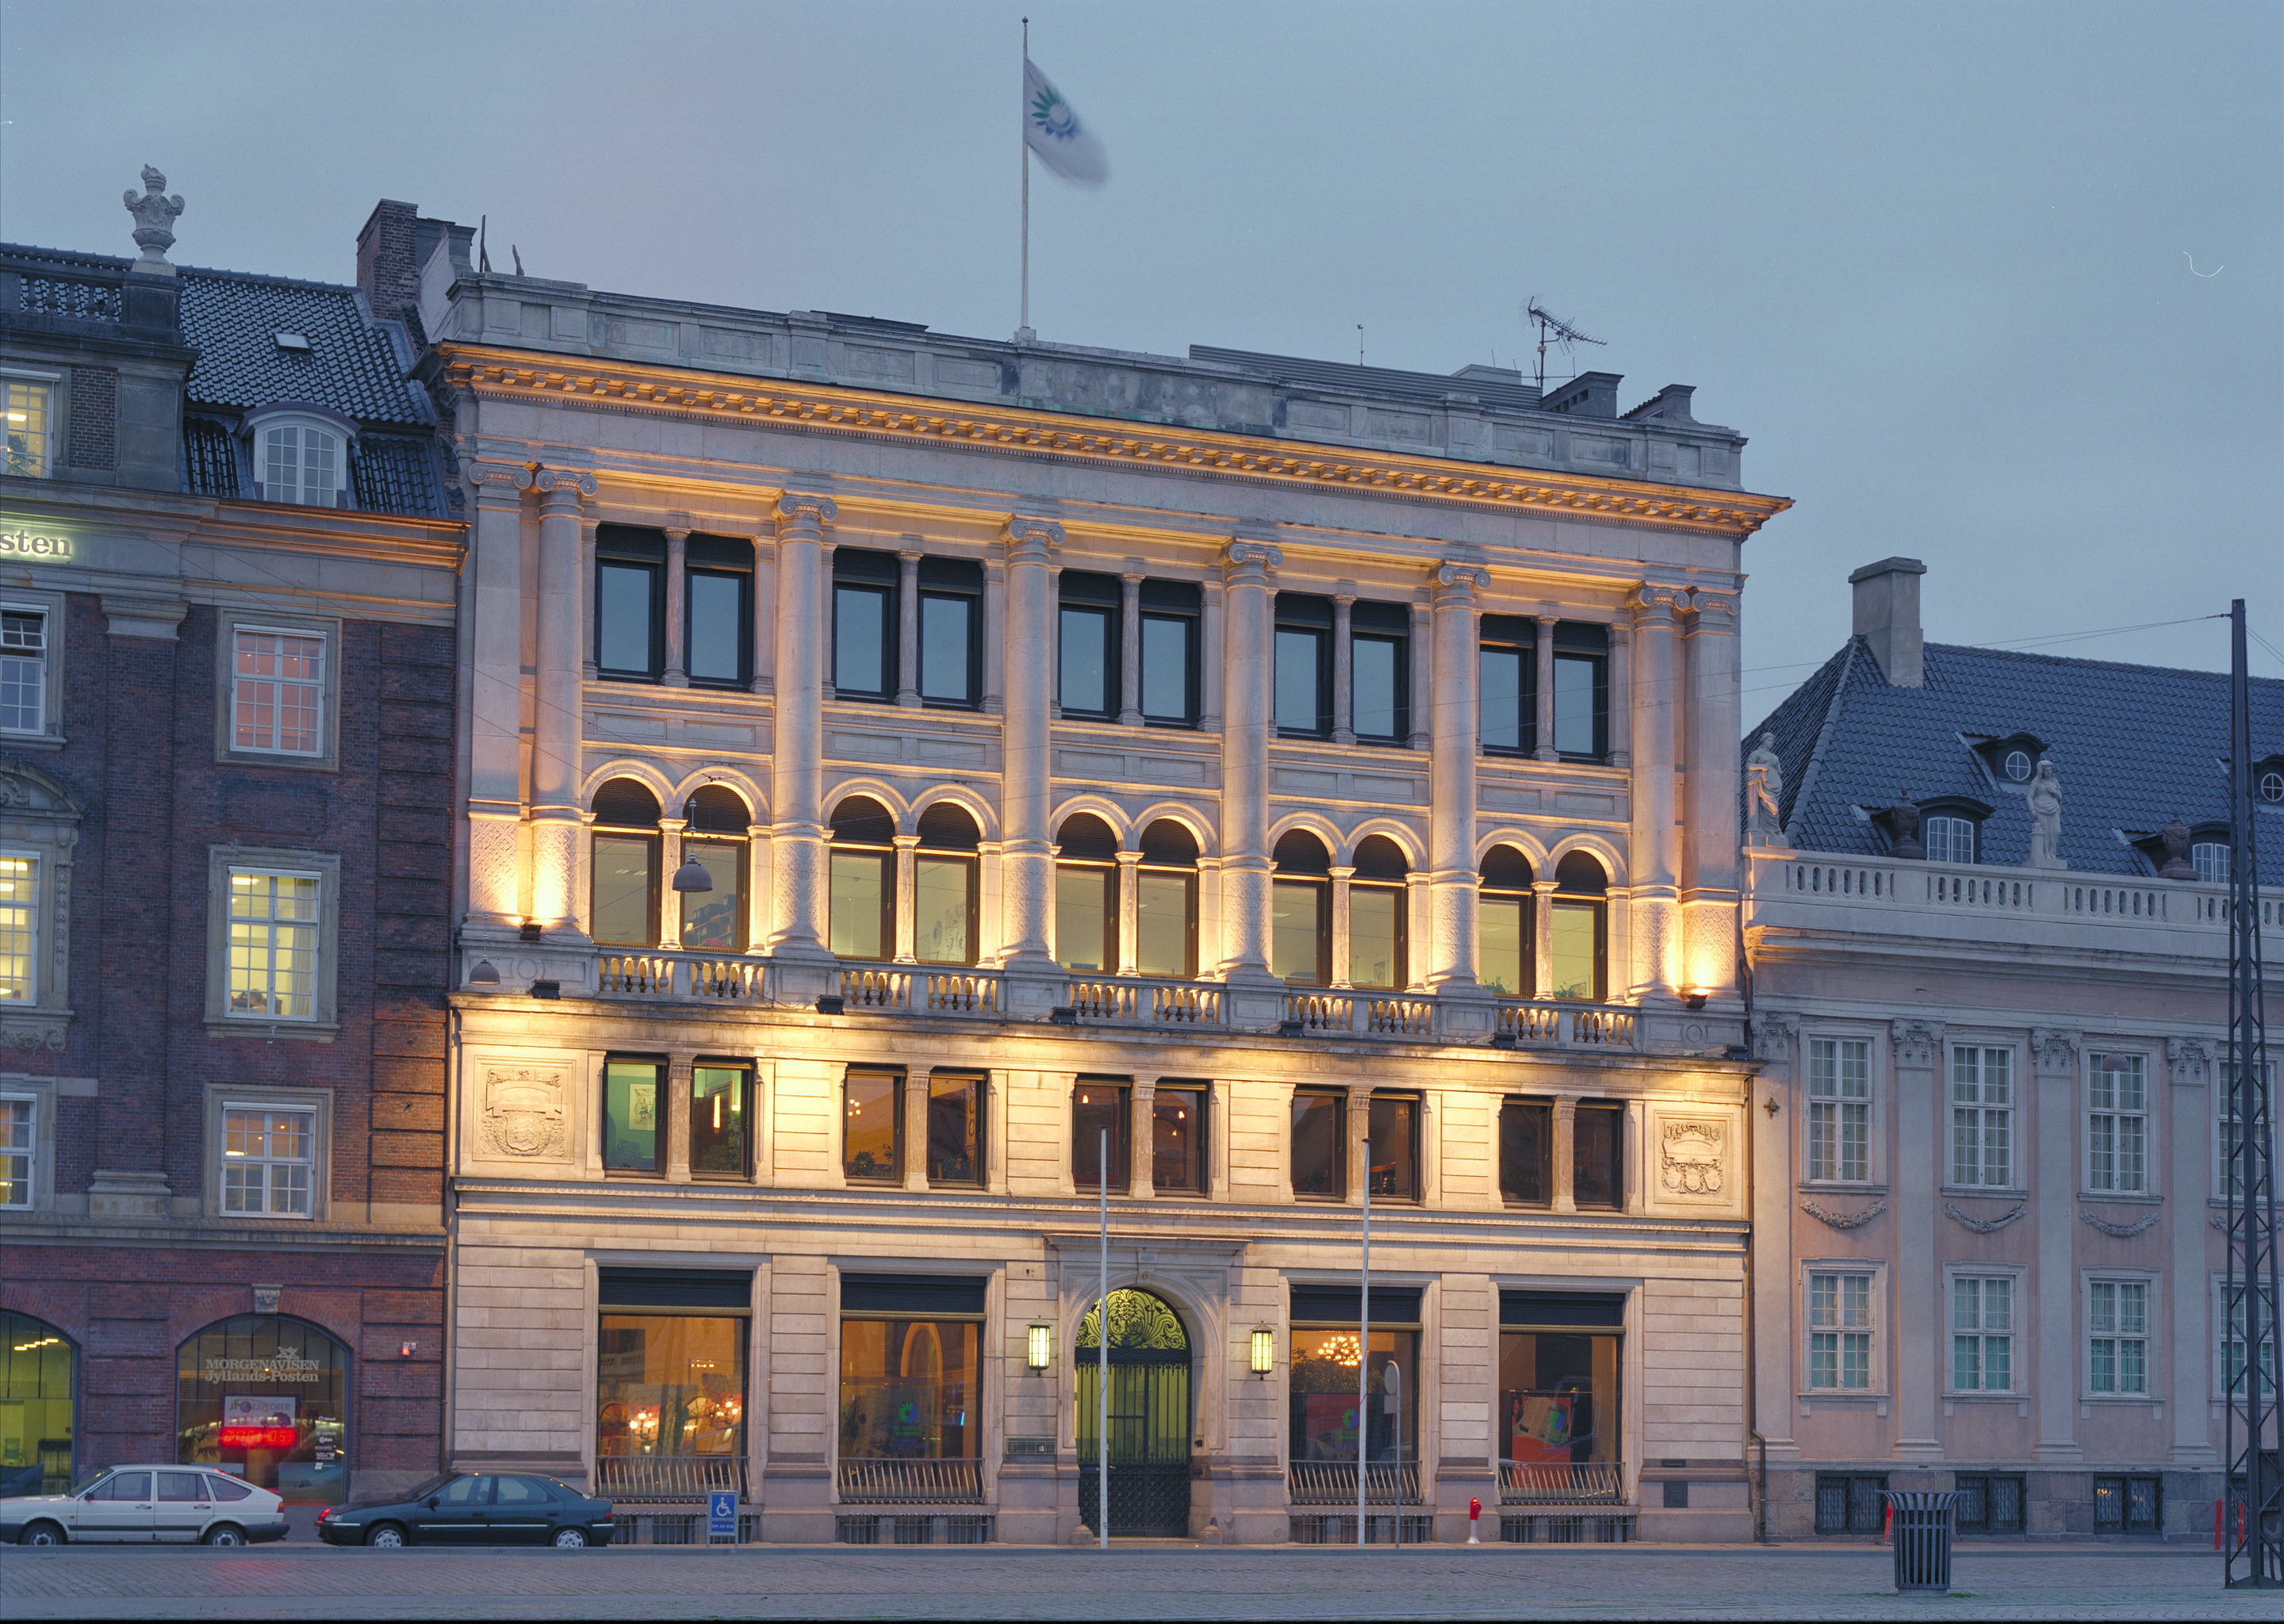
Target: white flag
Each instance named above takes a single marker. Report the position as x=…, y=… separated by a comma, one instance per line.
x=1052, y=129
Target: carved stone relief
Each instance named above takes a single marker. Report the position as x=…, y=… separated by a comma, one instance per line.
x=1918, y=1043
x=526, y=1112
x=2055, y=1051
x=1691, y=1155
x=2192, y=1061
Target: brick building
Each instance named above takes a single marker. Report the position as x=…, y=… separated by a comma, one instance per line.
x=226, y=653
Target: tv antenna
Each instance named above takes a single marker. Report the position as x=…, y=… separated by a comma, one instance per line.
x=1552, y=326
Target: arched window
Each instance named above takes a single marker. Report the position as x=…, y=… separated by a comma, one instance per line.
x=1506, y=924
x=1086, y=894
x=39, y=1375
x=1301, y=910
x=267, y=1399
x=1580, y=929
x=714, y=839
x=2211, y=860
x=1377, y=914
x=944, y=887
x=624, y=887
x=301, y=464
x=1166, y=902
x=864, y=880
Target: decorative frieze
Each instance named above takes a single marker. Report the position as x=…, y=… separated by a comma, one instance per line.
x=1985, y=1226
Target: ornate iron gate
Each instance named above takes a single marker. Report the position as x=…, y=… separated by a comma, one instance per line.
x=1149, y=1419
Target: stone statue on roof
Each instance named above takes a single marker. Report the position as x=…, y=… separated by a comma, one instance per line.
x=2045, y=798
x=2176, y=865
x=155, y=214
x=1765, y=795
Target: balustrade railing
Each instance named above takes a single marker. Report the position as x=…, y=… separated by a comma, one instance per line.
x=666, y=1479
x=1146, y=1003
x=1578, y=1025
x=94, y=300
x=1334, y=1483
x=1952, y=887
x=866, y=1480
x=1562, y=1483
x=667, y=975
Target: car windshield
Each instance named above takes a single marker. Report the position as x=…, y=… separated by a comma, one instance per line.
x=425, y=1489
x=90, y=1480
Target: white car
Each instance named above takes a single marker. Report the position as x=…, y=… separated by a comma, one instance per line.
x=137, y=1505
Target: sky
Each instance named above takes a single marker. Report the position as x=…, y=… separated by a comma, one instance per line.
x=1992, y=286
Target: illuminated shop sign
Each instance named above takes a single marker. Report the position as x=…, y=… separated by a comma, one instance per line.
x=35, y=544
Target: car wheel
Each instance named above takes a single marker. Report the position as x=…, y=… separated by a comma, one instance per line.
x=388, y=1536
x=568, y=1539
x=41, y=1534
x=225, y=1533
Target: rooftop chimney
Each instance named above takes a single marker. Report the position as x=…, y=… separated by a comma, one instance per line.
x=387, y=270
x=1887, y=614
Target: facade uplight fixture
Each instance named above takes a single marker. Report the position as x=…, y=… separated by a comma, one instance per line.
x=1039, y=1345
x=1264, y=1350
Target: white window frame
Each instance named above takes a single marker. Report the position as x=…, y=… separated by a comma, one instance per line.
x=49, y=606
x=2015, y=1333
x=1873, y=1330
x=2146, y=1281
x=2210, y=858
x=50, y=383
x=2222, y=1323
x=2010, y=1113
x=221, y=1099
x=324, y=866
x=259, y=425
x=1952, y=824
x=28, y=1151
x=2144, y=1121
x=44, y=675
x=1840, y=1105
x=34, y=981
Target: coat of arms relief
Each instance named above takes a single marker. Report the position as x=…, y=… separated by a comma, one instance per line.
x=1690, y=1157
x=525, y=1115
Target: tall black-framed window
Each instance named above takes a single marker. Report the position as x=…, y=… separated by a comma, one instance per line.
x=863, y=624
x=1580, y=929
x=1320, y=1155
x=1527, y=1151
x=872, y=1124
x=623, y=890
x=1506, y=926
x=1379, y=673
x=1304, y=666
x=944, y=885
x=1598, y=1138
x=721, y=1120
x=1171, y=660
x=718, y=608
x=714, y=837
x=1178, y=1136
x=1392, y=1147
x=861, y=914
x=1099, y=1102
x=1087, y=663
x=634, y=1114
x=1508, y=685
x=951, y=633
x=1582, y=691
x=1166, y=902
x=1301, y=910
x=1086, y=894
x=955, y=1128
x=1379, y=910
x=630, y=603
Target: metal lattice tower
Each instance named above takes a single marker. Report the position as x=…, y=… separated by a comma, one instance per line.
x=2252, y=1543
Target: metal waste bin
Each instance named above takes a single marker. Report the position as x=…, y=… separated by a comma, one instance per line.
x=1922, y=1529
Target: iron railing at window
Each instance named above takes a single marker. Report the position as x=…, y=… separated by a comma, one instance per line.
x=666, y=1479
x=1562, y=1483
x=874, y=1480
x=1334, y=1483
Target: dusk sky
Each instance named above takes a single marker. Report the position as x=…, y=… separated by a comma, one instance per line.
x=1991, y=285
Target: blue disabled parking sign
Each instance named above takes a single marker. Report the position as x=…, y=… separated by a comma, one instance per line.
x=722, y=1515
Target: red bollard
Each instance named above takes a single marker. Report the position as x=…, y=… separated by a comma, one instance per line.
x=1474, y=1513
x=2216, y=1522
x=1888, y=1525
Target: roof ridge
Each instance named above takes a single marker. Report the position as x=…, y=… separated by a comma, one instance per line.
x=2079, y=660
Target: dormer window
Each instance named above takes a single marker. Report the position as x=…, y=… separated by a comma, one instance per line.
x=2211, y=860
x=1948, y=839
x=2011, y=759
x=2268, y=780
x=2016, y=766
x=301, y=456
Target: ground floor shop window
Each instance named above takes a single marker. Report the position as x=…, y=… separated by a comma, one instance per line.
x=39, y=1373
x=267, y=1399
x=1559, y=1403
x=910, y=1407
x=1323, y=1397
x=2128, y=1505
x=670, y=1386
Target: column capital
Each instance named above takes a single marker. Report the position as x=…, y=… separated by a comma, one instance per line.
x=572, y=482
x=1248, y=563
x=1773, y=1033
x=496, y=483
x=1715, y=611
x=1455, y=585
x=1655, y=604
x=2191, y=1059
x=2054, y=1052
x=1918, y=1043
x=1029, y=538
x=802, y=511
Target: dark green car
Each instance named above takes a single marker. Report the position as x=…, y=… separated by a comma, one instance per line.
x=463, y=1508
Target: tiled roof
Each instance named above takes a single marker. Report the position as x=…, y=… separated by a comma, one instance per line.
x=352, y=364
x=2133, y=744
x=395, y=473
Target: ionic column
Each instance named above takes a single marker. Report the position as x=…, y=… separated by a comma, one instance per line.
x=669, y=900
x=1416, y=645
x=906, y=845
x=1129, y=911
x=1452, y=877
x=1343, y=668
x=586, y=580
x=1708, y=856
x=1129, y=648
x=1542, y=936
x=908, y=629
x=797, y=832
x=1026, y=863
x=765, y=621
x=1244, y=869
x=1542, y=722
x=492, y=626
x=678, y=604
x=1342, y=874
x=1653, y=912
x=558, y=645
x=1918, y=1308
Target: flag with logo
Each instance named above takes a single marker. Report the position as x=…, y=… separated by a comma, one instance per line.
x=1052, y=130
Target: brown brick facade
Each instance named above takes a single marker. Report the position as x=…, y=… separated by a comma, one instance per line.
x=93, y=442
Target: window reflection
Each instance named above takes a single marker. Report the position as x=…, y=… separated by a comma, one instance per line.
x=1506, y=923
x=955, y=1128
x=1177, y=1139
x=1320, y=1145
x=671, y=1385
x=1086, y=896
x=1322, y=1394
x=1089, y=659
x=633, y=1092
x=1557, y=1397
x=908, y=1389
x=719, y=1101
x=1598, y=1139
x=1392, y=1150
x=862, y=880
x=623, y=889
x=872, y=1128
x=944, y=887
x=718, y=618
x=1098, y=1105
x=1527, y=1151
x=1166, y=902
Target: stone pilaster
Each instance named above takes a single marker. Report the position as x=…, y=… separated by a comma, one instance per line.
x=1130, y=646
x=797, y=831
x=1918, y=1317
x=1026, y=862
x=1710, y=854
x=1776, y=1134
x=1654, y=911
x=556, y=824
x=2189, y=1065
x=1543, y=720
x=1245, y=868
x=494, y=621
x=2054, y=1131
x=676, y=673
x=908, y=629
x=1454, y=884
x=1343, y=665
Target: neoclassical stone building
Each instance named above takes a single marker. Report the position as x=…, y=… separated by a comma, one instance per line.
x=898, y=768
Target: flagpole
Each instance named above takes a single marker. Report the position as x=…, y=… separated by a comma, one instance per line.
x=1023, y=328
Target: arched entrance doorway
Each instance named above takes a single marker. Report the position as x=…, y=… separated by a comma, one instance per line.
x=1149, y=1417
x=38, y=1389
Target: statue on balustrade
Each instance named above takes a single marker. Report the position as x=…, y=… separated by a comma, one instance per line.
x=1764, y=796
x=2045, y=798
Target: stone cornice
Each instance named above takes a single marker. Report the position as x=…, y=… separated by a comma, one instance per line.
x=685, y=392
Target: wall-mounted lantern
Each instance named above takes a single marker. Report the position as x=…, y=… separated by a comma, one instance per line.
x=1039, y=1345
x=1265, y=1351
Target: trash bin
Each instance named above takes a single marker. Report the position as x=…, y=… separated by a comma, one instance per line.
x=1922, y=1529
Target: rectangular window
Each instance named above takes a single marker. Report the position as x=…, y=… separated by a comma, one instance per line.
x=951, y=625
x=2128, y=1505
x=861, y=645
x=20, y=935
x=1596, y=1143
x=1100, y=1104
x=23, y=671
x=625, y=890
x=1320, y=1145
x=908, y=1392
x=1376, y=936
x=1392, y=1147
x=2117, y=1123
x=1504, y=928
x=17, y=1117
x=1303, y=696
x=1582, y=691
x=298, y=466
x=1087, y=652
x=718, y=585
x=2229, y=1181
x=1989, y=1504
x=1839, y=1108
x=2117, y=1336
x=1982, y=1333
x=1166, y=924
x=269, y=1160
x=1379, y=673
x=1527, y=1151
x=630, y=602
x=955, y=1128
x=1948, y=840
x=273, y=945
x=1300, y=932
x=1559, y=1386
x=1507, y=668
x=944, y=908
x=1170, y=666
x=1177, y=1139
x=1578, y=943
x=1848, y=1504
x=1840, y=1332
x=873, y=1127
x=30, y=414
x=715, y=919
x=1321, y=1399
x=721, y=1112
x=1982, y=1116
x=277, y=692
x=634, y=1093
x=1086, y=918
x=669, y=1385
x=862, y=886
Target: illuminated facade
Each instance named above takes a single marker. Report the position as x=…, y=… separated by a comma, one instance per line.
x=912, y=782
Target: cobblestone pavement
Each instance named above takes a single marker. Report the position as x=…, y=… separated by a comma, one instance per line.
x=1136, y=1582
